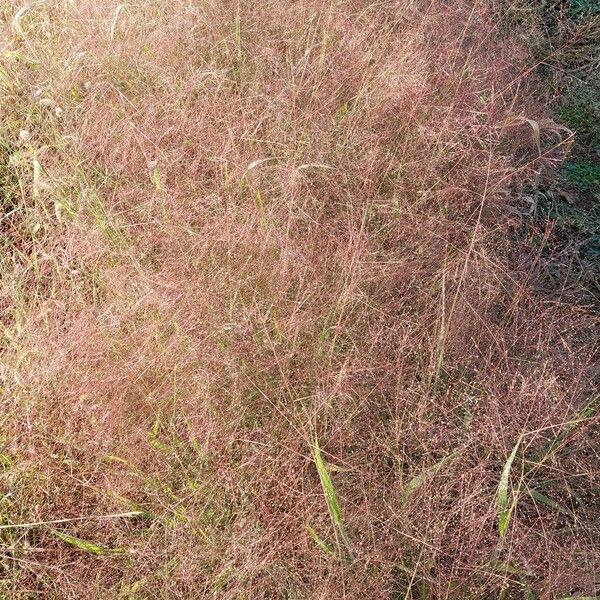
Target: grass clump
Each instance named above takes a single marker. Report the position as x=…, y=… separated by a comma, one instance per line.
x=227, y=225
x=564, y=42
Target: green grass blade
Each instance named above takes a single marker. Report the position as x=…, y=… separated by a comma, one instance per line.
x=587, y=412
x=86, y=545
x=330, y=496
x=333, y=504
x=317, y=539
x=539, y=497
x=154, y=433
x=504, y=510
x=416, y=482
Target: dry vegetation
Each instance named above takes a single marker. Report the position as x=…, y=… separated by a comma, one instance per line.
x=261, y=291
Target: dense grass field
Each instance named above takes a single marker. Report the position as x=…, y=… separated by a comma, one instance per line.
x=283, y=313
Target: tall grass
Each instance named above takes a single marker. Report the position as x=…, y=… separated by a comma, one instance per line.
x=225, y=222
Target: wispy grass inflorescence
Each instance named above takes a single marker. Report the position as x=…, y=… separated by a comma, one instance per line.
x=225, y=222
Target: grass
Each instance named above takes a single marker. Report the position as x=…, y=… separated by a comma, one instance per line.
x=227, y=226
x=564, y=42
x=333, y=503
x=504, y=507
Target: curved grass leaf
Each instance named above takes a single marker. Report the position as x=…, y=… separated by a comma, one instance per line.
x=333, y=504
x=504, y=510
x=317, y=539
x=539, y=497
x=87, y=545
x=587, y=412
x=416, y=482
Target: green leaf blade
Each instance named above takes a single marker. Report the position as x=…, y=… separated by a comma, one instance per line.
x=87, y=545
x=504, y=510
